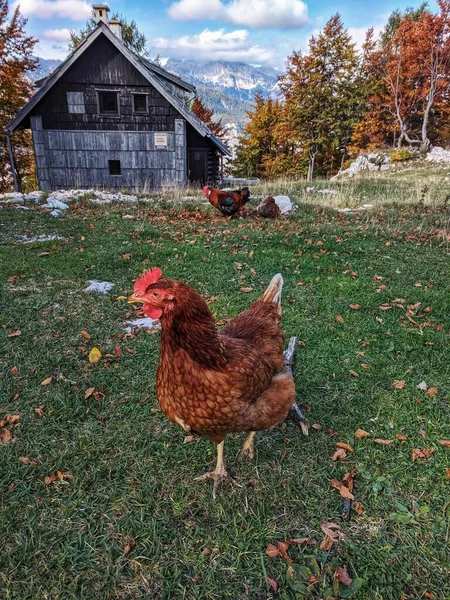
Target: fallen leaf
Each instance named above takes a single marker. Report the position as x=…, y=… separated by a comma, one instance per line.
x=188, y=439
x=246, y=290
x=11, y=486
x=343, y=576
x=355, y=306
x=14, y=333
x=423, y=433
x=47, y=380
x=344, y=446
x=385, y=307
x=49, y=479
x=338, y=319
x=427, y=309
x=316, y=426
x=401, y=437
x=447, y=472
x=280, y=551
x=273, y=584
x=301, y=541
x=86, y=335
x=10, y=420
x=94, y=355
x=39, y=411
x=383, y=442
x=445, y=443
x=251, y=253
x=417, y=453
x=27, y=461
x=360, y=433
x=326, y=543
x=5, y=436
x=353, y=373
x=284, y=547
x=117, y=351
x=399, y=384
x=342, y=489
x=273, y=551
x=312, y=579
x=358, y=507
x=339, y=454
x=432, y=391
x=89, y=392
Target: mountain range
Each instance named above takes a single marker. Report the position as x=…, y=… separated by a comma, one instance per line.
x=228, y=88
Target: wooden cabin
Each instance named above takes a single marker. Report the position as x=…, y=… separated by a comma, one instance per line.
x=109, y=118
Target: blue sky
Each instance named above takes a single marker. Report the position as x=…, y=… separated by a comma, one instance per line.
x=254, y=31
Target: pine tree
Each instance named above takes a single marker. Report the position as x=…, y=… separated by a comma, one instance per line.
x=323, y=97
x=206, y=115
x=131, y=36
x=16, y=49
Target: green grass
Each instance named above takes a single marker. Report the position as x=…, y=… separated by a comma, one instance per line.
x=132, y=476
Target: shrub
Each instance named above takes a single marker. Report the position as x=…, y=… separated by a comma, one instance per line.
x=401, y=155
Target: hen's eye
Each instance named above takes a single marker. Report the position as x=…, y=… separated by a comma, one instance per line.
x=155, y=294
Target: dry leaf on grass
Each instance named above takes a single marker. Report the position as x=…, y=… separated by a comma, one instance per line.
x=273, y=584
x=15, y=333
x=342, y=489
x=360, y=434
x=279, y=551
x=354, y=306
x=27, y=461
x=47, y=380
x=5, y=436
x=417, y=453
x=401, y=437
x=94, y=355
x=344, y=446
x=432, y=391
x=383, y=442
x=131, y=544
x=358, y=507
x=86, y=335
x=447, y=472
x=353, y=373
x=343, y=576
x=399, y=385
x=445, y=443
x=11, y=420
x=89, y=392
x=339, y=454
x=338, y=319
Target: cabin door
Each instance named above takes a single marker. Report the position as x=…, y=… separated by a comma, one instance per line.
x=197, y=166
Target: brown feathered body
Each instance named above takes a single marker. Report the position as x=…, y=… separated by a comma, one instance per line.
x=212, y=383
x=228, y=202
x=269, y=209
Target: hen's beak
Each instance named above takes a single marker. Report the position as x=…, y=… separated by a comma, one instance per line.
x=135, y=300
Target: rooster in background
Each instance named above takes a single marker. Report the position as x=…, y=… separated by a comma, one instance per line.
x=269, y=209
x=228, y=202
x=212, y=382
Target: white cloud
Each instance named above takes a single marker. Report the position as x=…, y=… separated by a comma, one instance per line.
x=76, y=10
x=57, y=35
x=257, y=14
x=51, y=49
x=214, y=45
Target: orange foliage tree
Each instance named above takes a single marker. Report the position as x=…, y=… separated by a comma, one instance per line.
x=410, y=74
x=16, y=58
x=206, y=115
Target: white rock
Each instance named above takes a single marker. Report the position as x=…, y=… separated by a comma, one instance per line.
x=309, y=189
x=438, y=155
x=56, y=213
x=55, y=203
x=21, y=207
x=144, y=323
x=39, y=238
x=284, y=204
x=100, y=287
x=34, y=197
x=128, y=217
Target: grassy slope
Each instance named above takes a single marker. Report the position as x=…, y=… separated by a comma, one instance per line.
x=132, y=475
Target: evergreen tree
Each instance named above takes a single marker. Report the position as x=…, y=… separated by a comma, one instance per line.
x=131, y=36
x=16, y=49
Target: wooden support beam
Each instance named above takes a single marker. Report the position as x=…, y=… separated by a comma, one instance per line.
x=13, y=164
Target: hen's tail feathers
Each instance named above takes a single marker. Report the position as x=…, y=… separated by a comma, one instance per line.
x=295, y=412
x=273, y=291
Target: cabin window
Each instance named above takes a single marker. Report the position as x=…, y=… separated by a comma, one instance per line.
x=140, y=104
x=108, y=103
x=114, y=167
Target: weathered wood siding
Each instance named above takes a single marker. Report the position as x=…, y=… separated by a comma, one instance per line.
x=195, y=140
x=80, y=159
x=103, y=67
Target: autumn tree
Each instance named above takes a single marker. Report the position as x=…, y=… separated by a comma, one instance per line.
x=206, y=115
x=131, y=36
x=257, y=145
x=411, y=65
x=16, y=49
x=323, y=98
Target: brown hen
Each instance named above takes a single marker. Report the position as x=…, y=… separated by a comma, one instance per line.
x=213, y=383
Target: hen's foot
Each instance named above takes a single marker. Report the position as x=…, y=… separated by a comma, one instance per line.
x=300, y=419
x=248, y=447
x=219, y=476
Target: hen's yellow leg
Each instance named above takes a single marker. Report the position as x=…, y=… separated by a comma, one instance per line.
x=248, y=447
x=219, y=474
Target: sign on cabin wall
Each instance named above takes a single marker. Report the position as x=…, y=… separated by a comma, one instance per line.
x=160, y=140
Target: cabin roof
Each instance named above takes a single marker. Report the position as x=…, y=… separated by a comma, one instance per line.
x=155, y=75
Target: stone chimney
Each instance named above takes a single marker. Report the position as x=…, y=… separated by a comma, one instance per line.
x=101, y=13
x=116, y=28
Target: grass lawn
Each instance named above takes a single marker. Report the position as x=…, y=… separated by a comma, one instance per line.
x=130, y=523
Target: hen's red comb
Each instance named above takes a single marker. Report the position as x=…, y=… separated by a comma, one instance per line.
x=146, y=279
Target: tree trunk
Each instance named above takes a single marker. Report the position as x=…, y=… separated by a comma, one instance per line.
x=312, y=158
